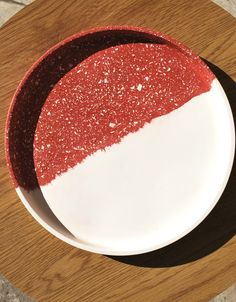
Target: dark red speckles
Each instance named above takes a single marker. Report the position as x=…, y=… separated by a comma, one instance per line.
x=109, y=95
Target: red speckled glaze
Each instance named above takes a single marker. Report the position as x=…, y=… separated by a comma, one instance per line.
x=110, y=94
x=36, y=85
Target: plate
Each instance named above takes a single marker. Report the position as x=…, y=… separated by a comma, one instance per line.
x=119, y=140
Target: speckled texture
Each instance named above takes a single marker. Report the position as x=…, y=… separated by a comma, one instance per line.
x=36, y=86
x=109, y=95
x=45, y=73
x=9, y=293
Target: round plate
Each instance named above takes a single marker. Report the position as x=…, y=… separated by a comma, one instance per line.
x=145, y=192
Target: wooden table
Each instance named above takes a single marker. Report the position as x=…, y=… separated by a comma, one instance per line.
x=196, y=268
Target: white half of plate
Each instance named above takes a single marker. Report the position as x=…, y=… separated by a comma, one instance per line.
x=153, y=188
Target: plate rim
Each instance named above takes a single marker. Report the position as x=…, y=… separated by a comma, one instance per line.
x=89, y=247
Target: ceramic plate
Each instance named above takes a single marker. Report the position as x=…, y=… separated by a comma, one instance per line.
x=119, y=140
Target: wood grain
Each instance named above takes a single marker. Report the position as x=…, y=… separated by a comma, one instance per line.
x=50, y=270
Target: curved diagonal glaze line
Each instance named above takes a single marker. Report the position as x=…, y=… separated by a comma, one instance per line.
x=109, y=95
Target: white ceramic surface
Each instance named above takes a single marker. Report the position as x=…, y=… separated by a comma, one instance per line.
x=152, y=188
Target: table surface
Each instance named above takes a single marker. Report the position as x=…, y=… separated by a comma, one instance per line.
x=197, y=267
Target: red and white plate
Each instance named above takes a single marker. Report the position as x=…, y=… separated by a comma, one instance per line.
x=120, y=140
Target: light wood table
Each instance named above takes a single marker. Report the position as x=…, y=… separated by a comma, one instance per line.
x=196, y=268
